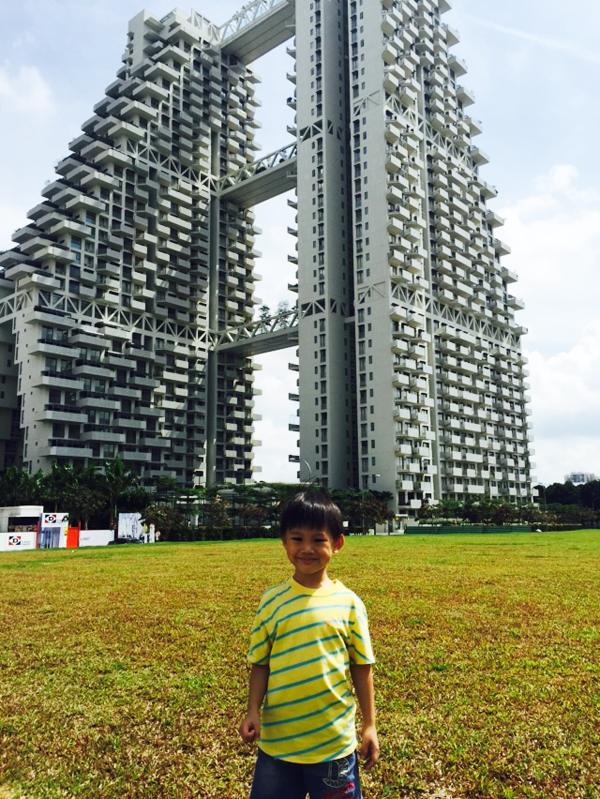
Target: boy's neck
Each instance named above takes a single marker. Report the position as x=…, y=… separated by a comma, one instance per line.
x=317, y=580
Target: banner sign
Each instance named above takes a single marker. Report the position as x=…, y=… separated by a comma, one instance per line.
x=53, y=532
x=17, y=542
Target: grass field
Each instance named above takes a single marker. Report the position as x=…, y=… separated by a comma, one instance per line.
x=122, y=670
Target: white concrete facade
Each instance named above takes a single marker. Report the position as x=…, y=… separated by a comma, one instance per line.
x=437, y=378
x=131, y=292
x=130, y=267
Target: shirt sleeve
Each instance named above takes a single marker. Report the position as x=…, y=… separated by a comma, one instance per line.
x=260, y=641
x=360, y=650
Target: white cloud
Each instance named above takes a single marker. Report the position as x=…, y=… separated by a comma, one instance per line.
x=554, y=234
x=25, y=92
x=555, y=238
x=559, y=178
x=548, y=42
x=565, y=404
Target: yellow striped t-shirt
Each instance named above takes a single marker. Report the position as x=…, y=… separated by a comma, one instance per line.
x=308, y=638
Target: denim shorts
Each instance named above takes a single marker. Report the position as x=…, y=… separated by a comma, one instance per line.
x=280, y=779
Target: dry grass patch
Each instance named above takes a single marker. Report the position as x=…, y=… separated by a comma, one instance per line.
x=123, y=669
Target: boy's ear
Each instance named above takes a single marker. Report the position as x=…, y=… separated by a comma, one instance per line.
x=339, y=543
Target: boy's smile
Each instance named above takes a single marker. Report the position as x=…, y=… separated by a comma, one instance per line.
x=310, y=551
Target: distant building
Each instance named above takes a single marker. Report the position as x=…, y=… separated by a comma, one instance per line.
x=579, y=478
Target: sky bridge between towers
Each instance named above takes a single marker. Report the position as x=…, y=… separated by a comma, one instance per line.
x=257, y=28
x=268, y=177
x=278, y=332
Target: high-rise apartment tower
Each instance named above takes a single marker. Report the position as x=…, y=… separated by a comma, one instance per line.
x=127, y=311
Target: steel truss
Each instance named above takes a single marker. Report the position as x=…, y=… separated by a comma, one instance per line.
x=285, y=155
x=272, y=324
x=248, y=14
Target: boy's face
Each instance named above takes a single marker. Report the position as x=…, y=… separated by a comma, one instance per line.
x=310, y=551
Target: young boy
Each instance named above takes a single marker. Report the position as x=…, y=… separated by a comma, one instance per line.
x=310, y=632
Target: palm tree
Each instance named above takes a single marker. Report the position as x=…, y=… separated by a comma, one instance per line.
x=58, y=485
x=18, y=487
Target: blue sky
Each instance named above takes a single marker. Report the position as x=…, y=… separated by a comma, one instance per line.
x=534, y=67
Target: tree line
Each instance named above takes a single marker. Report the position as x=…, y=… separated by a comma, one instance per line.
x=85, y=494
x=237, y=511
x=586, y=495
x=559, y=504
x=95, y=498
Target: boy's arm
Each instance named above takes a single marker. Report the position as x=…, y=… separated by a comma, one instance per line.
x=250, y=726
x=362, y=677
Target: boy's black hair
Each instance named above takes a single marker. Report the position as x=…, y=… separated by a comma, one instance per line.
x=315, y=510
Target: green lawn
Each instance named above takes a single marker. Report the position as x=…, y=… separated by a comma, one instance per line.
x=123, y=669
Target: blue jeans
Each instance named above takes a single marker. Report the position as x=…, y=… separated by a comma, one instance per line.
x=280, y=779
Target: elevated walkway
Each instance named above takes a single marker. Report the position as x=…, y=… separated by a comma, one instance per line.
x=257, y=28
x=264, y=335
x=270, y=176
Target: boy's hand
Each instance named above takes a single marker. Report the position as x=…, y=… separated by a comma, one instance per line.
x=250, y=728
x=369, y=748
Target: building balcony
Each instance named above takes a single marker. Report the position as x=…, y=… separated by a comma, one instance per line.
x=475, y=489
x=494, y=219
x=475, y=126
x=62, y=413
x=457, y=65
x=395, y=196
x=453, y=471
x=508, y=276
x=393, y=163
x=515, y=303
x=105, y=435
x=479, y=156
x=407, y=96
x=465, y=96
x=391, y=51
x=437, y=121
x=390, y=22
x=159, y=70
x=452, y=35
x=500, y=247
x=396, y=228
x=391, y=82
x=66, y=449
x=58, y=380
x=52, y=347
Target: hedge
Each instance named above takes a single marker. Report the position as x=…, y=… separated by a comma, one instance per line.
x=457, y=529
x=447, y=529
x=237, y=533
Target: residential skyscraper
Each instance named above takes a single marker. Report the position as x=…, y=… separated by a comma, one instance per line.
x=129, y=300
